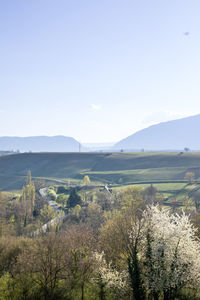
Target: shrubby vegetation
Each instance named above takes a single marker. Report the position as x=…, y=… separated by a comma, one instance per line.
x=20, y=212
x=123, y=244
x=52, y=194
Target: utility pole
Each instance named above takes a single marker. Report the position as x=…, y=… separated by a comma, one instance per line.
x=79, y=146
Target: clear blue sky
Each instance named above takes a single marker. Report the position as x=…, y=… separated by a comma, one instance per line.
x=97, y=70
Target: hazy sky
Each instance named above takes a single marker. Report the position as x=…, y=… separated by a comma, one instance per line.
x=97, y=70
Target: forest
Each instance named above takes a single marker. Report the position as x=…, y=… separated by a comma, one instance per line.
x=100, y=244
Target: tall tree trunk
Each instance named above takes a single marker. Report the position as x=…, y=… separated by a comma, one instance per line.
x=82, y=291
x=102, y=295
x=156, y=296
x=134, y=273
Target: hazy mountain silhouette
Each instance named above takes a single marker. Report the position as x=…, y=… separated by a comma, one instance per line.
x=171, y=135
x=40, y=144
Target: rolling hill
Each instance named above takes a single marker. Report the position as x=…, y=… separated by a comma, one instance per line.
x=171, y=135
x=103, y=167
x=39, y=144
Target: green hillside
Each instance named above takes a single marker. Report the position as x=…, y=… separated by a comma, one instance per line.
x=104, y=167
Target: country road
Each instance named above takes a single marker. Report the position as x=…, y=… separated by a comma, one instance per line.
x=54, y=205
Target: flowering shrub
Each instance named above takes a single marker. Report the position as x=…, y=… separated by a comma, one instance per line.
x=168, y=252
x=107, y=277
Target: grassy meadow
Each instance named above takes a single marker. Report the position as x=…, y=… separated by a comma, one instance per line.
x=114, y=168
x=166, y=171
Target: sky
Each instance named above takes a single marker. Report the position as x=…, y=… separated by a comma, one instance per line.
x=97, y=70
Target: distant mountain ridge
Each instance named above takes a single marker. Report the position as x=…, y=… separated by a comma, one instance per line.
x=57, y=143
x=170, y=135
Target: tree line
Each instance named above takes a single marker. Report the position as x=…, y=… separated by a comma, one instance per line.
x=121, y=246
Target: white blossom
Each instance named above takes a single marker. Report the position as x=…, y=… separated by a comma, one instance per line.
x=175, y=250
x=108, y=275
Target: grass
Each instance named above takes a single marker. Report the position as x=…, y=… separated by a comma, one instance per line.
x=136, y=175
x=115, y=168
x=161, y=187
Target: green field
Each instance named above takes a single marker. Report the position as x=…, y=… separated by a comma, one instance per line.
x=114, y=168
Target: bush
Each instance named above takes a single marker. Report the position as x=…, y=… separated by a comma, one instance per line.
x=62, y=199
x=61, y=189
x=52, y=195
x=74, y=199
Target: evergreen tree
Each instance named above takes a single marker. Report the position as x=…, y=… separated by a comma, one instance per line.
x=74, y=199
x=28, y=178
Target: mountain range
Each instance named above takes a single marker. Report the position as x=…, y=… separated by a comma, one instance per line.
x=171, y=135
x=39, y=144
